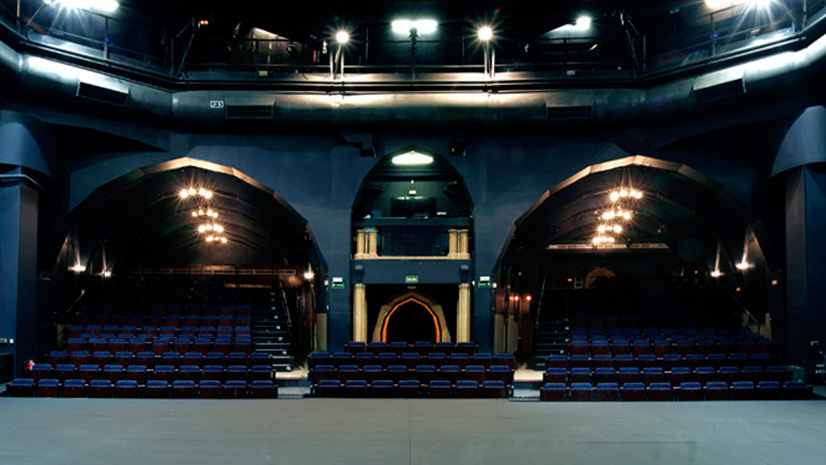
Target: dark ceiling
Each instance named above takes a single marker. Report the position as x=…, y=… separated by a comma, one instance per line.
x=682, y=209
x=140, y=220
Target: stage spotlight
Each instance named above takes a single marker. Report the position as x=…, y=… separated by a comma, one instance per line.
x=102, y=6
x=485, y=33
x=583, y=23
x=422, y=26
x=412, y=158
x=342, y=37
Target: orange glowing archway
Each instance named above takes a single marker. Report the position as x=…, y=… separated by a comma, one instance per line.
x=417, y=301
x=433, y=308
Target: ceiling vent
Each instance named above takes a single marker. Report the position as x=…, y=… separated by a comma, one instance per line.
x=719, y=85
x=102, y=94
x=249, y=111
x=577, y=112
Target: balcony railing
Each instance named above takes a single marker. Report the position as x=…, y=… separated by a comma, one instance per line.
x=436, y=238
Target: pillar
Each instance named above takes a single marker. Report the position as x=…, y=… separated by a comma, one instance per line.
x=360, y=244
x=464, y=244
x=18, y=266
x=463, y=314
x=805, y=267
x=371, y=242
x=452, y=243
x=499, y=332
x=360, y=312
x=321, y=332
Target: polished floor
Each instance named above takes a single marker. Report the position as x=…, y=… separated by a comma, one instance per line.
x=338, y=431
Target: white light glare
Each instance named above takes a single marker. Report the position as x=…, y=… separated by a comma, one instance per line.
x=744, y=265
x=583, y=22
x=485, y=33
x=342, y=37
x=412, y=158
x=103, y=6
x=717, y=4
x=716, y=274
x=309, y=275
x=78, y=268
x=107, y=274
x=600, y=240
x=422, y=26
x=185, y=193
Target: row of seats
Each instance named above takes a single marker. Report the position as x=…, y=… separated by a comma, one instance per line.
x=423, y=373
x=411, y=359
x=203, y=345
x=676, y=375
x=156, y=389
x=687, y=391
x=141, y=373
x=663, y=347
x=158, y=316
x=667, y=361
x=226, y=326
x=661, y=331
x=150, y=359
x=421, y=347
x=464, y=389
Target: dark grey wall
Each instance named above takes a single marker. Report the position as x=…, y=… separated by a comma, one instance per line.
x=319, y=176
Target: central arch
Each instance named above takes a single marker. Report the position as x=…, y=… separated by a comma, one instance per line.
x=411, y=297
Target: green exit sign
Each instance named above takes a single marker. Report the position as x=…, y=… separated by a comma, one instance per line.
x=484, y=282
x=411, y=279
x=338, y=283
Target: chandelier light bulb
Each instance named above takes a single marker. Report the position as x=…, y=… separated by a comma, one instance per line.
x=184, y=193
x=614, y=196
x=223, y=240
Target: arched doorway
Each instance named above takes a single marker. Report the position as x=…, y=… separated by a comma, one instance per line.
x=677, y=229
x=412, y=224
x=150, y=224
x=411, y=317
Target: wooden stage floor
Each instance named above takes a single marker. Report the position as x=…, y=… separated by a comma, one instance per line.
x=339, y=431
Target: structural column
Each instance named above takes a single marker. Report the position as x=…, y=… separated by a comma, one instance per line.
x=360, y=244
x=463, y=314
x=806, y=266
x=464, y=244
x=360, y=312
x=371, y=242
x=452, y=243
x=18, y=266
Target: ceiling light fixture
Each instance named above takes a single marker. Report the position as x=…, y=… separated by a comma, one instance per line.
x=412, y=158
x=102, y=6
x=422, y=26
x=485, y=33
x=342, y=37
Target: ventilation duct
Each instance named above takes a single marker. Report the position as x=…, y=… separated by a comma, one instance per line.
x=249, y=111
x=102, y=94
